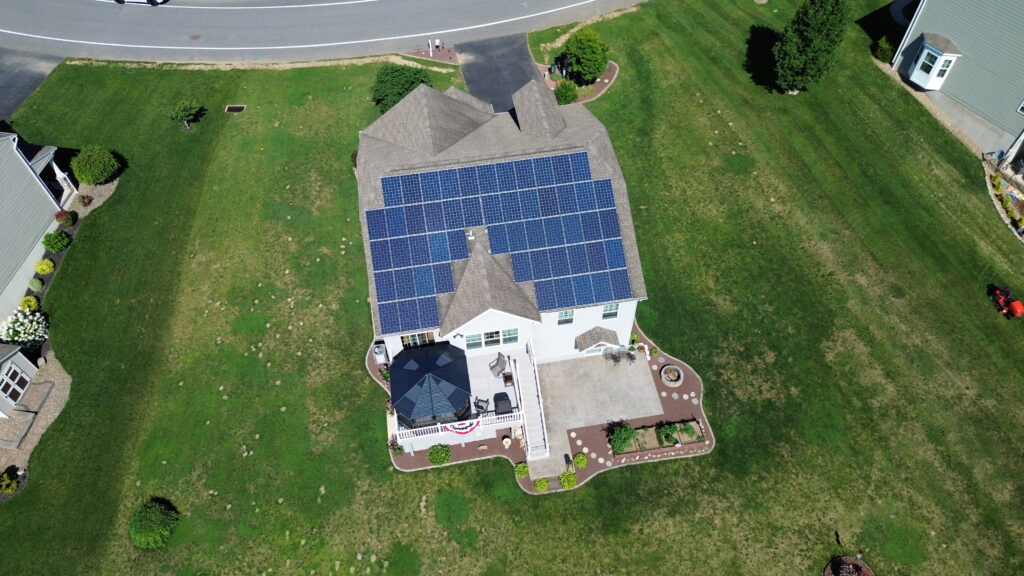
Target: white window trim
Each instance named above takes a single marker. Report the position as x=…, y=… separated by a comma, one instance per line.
x=1020, y=109
x=474, y=341
x=565, y=317
x=7, y=378
x=492, y=342
x=510, y=336
x=610, y=311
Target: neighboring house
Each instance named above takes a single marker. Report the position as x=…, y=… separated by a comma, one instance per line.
x=508, y=236
x=28, y=204
x=965, y=56
x=16, y=374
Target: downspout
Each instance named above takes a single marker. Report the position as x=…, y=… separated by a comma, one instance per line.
x=1007, y=161
x=897, y=57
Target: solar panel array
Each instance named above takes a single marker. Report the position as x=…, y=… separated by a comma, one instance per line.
x=560, y=227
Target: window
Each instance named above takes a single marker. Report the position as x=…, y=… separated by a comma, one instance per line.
x=1020, y=108
x=944, y=69
x=13, y=383
x=492, y=338
x=417, y=340
x=928, y=62
x=510, y=336
x=474, y=341
x=565, y=317
x=610, y=311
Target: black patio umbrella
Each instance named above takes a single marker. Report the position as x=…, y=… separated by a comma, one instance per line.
x=430, y=385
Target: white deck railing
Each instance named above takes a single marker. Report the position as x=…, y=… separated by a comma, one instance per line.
x=537, y=449
x=493, y=421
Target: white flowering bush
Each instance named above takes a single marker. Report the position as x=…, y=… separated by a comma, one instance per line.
x=24, y=327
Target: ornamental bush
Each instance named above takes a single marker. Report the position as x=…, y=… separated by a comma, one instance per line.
x=44, y=266
x=540, y=484
x=567, y=480
x=64, y=218
x=580, y=460
x=56, y=241
x=24, y=327
x=621, y=437
x=30, y=303
x=94, y=165
x=395, y=82
x=36, y=284
x=566, y=92
x=585, y=57
x=883, y=50
x=439, y=454
x=522, y=470
x=8, y=485
x=153, y=523
x=809, y=43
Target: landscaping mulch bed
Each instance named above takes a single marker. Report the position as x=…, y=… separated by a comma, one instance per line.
x=475, y=450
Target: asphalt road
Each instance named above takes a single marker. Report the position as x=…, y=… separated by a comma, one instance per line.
x=270, y=30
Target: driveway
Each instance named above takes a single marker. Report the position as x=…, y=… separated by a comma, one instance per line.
x=20, y=74
x=494, y=69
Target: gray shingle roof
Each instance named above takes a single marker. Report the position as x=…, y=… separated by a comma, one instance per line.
x=943, y=44
x=429, y=130
x=596, y=335
x=7, y=350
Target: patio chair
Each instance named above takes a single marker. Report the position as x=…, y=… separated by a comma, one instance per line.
x=481, y=405
x=498, y=365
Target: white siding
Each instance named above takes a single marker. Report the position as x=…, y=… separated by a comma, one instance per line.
x=14, y=290
x=553, y=342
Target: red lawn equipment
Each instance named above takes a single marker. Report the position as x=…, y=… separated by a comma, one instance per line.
x=1007, y=303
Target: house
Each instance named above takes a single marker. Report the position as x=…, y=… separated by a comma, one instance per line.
x=963, y=54
x=507, y=236
x=16, y=374
x=31, y=193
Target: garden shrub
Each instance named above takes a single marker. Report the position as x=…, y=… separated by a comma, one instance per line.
x=997, y=182
x=883, y=50
x=666, y=434
x=439, y=454
x=94, y=165
x=30, y=303
x=585, y=57
x=153, y=523
x=580, y=460
x=522, y=470
x=56, y=241
x=24, y=327
x=8, y=485
x=44, y=266
x=809, y=45
x=567, y=480
x=394, y=446
x=64, y=218
x=566, y=92
x=36, y=284
x=185, y=111
x=621, y=437
x=395, y=82
x=540, y=484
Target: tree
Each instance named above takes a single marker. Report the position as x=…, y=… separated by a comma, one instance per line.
x=566, y=92
x=185, y=111
x=94, y=165
x=809, y=44
x=395, y=82
x=585, y=57
x=153, y=523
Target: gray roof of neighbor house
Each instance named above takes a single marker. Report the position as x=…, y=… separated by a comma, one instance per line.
x=596, y=335
x=430, y=130
x=987, y=33
x=26, y=208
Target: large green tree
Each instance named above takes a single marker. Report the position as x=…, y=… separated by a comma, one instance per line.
x=585, y=56
x=808, y=47
x=395, y=82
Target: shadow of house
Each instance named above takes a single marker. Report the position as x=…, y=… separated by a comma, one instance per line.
x=880, y=24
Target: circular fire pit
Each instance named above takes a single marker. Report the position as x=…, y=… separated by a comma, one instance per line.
x=847, y=566
x=671, y=375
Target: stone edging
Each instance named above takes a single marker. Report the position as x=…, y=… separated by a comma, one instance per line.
x=605, y=87
x=995, y=203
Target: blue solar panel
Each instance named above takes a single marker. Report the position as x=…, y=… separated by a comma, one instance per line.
x=457, y=245
x=542, y=171
x=405, y=284
x=414, y=223
x=439, y=251
x=428, y=312
x=524, y=175
x=567, y=199
x=385, y=283
x=548, y=201
x=539, y=264
x=553, y=232
x=449, y=184
x=472, y=212
x=430, y=183
x=620, y=284
x=578, y=259
x=583, y=290
x=506, y=176
x=487, y=179
x=529, y=201
x=453, y=215
x=616, y=253
x=467, y=182
x=419, y=250
x=380, y=255
x=399, y=252
x=499, y=238
x=492, y=209
x=389, y=322
x=564, y=295
x=443, y=278
x=559, y=258
x=424, y=279
x=510, y=207
x=580, y=166
x=573, y=228
x=610, y=224
x=434, y=216
x=591, y=226
x=408, y=315
x=392, y=190
x=603, y=192
x=545, y=291
x=411, y=192
x=517, y=241
x=602, y=287
x=585, y=198
x=596, y=258
x=521, y=269
x=376, y=224
x=562, y=169
x=396, y=221
x=535, y=234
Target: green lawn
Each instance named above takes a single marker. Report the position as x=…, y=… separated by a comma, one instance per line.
x=827, y=281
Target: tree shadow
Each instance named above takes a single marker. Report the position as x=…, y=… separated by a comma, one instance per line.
x=879, y=24
x=199, y=115
x=760, y=61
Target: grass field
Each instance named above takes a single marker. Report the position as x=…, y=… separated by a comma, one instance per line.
x=827, y=281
